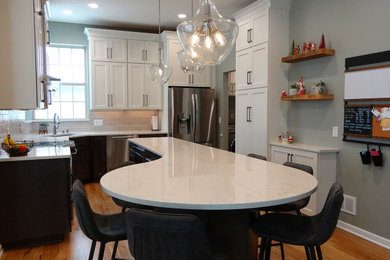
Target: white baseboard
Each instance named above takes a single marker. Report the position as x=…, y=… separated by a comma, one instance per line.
x=381, y=241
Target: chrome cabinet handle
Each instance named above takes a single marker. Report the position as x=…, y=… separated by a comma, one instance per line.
x=288, y=157
x=74, y=151
x=112, y=100
x=108, y=100
x=291, y=156
x=193, y=78
x=250, y=77
x=247, y=114
x=111, y=53
x=48, y=37
x=250, y=35
x=247, y=78
x=247, y=36
x=250, y=119
x=146, y=54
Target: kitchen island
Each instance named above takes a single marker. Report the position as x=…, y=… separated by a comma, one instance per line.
x=190, y=176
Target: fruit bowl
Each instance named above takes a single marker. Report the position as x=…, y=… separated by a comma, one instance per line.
x=18, y=149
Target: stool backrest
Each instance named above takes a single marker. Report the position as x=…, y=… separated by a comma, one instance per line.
x=84, y=211
x=153, y=235
x=299, y=166
x=329, y=215
x=257, y=156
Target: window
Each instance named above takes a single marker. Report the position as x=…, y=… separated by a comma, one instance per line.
x=68, y=97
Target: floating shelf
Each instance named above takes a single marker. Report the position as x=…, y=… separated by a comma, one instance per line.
x=308, y=55
x=307, y=97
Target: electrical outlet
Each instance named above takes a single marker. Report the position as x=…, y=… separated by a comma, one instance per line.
x=335, y=131
x=349, y=204
x=98, y=122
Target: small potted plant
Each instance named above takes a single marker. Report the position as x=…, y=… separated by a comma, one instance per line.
x=43, y=128
x=320, y=88
x=293, y=89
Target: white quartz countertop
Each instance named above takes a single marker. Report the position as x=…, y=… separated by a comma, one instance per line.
x=307, y=147
x=193, y=176
x=108, y=133
x=39, y=153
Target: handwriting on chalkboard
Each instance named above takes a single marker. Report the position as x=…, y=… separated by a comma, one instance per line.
x=358, y=120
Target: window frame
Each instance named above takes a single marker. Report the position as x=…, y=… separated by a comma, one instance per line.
x=87, y=101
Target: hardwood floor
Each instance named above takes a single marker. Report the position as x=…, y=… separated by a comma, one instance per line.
x=342, y=245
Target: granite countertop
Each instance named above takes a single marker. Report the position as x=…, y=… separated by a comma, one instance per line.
x=194, y=176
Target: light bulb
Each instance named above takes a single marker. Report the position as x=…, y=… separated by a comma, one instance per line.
x=208, y=37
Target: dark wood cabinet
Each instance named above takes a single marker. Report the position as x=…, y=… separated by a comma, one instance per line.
x=34, y=202
x=99, y=157
x=81, y=160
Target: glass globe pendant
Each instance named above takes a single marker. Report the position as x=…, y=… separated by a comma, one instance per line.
x=186, y=63
x=159, y=72
x=208, y=38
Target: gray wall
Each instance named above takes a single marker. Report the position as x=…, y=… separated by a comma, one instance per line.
x=227, y=65
x=351, y=27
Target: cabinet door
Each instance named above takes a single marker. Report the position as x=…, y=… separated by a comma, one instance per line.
x=242, y=41
x=135, y=50
x=81, y=160
x=100, y=80
x=40, y=59
x=202, y=79
x=258, y=115
x=153, y=93
x=259, y=72
x=259, y=32
x=98, y=48
x=151, y=52
x=243, y=68
x=243, y=100
x=118, y=85
x=178, y=77
x=279, y=155
x=118, y=52
x=136, y=76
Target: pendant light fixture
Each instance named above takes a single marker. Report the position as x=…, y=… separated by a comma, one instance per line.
x=208, y=38
x=159, y=72
x=186, y=63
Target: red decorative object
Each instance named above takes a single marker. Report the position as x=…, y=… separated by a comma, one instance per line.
x=290, y=140
x=297, y=50
x=322, y=43
x=301, y=86
x=284, y=94
x=305, y=47
x=312, y=46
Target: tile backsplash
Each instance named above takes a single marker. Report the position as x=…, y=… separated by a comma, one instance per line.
x=15, y=122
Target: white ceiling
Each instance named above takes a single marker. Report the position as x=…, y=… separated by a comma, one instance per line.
x=133, y=13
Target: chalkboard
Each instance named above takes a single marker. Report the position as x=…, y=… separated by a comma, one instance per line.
x=357, y=120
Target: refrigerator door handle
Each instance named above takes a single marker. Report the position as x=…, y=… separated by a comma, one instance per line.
x=193, y=115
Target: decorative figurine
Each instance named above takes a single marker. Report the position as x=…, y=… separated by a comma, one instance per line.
x=290, y=139
x=297, y=50
x=312, y=46
x=301, y=86
x=322, y=43
x=305, y=49
x=284, y=94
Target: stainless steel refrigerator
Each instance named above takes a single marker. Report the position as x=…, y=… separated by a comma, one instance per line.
x=192, y=114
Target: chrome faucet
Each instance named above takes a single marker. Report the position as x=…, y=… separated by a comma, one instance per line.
x=56, y=123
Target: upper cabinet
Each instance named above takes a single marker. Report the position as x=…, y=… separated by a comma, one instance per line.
x=118, y=64
x=22, y=55
x=179, y=77
x=253, y=29
x=108, y=49
x=142, y=51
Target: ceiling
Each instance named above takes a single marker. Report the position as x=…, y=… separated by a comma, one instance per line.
x=133, y=13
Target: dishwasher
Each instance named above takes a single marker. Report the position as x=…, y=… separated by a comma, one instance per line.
x=118, y=150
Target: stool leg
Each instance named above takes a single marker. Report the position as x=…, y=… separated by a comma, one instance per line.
x=114, y=250
x=268, y=249
x=101, y=250
x=307, y=253
x=263, y=245
x=312, y=253
x=92, y=250
x=282, y=250
x=123, y=209
x=319, y=253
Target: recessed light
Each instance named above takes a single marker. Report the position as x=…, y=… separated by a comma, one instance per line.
x=182, y=16
x=67, y=12
x=93, y=5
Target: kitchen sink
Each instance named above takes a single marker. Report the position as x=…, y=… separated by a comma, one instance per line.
x=55, y=143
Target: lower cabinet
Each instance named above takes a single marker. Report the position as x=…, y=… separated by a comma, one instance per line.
x=99, y=157
x=34, y=202
x=321, y=159
x=81, y=160
x=251, y=121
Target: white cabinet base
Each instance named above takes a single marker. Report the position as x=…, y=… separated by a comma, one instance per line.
x=323, y=161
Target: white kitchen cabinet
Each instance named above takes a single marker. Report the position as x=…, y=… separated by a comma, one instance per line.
x=253, y=29
x=143, y=94
x=251, y=121
x=178, y=77
x=252, y=67
x=142, y=51
x=107, y=49
x=323, y=161
x=22, y=52
x=109, y=81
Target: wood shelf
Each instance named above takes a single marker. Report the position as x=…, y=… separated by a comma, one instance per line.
x=307, y=97
x=308, y=55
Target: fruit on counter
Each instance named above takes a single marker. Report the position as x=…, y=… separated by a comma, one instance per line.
x=9, y=143
x=22, y=149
